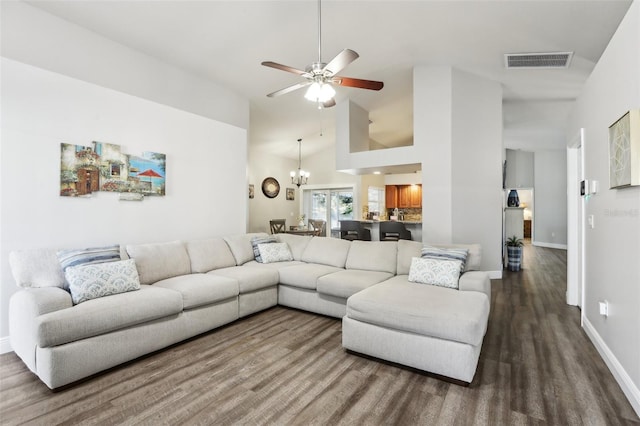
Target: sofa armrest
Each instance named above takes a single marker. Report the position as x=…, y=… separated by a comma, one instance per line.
x=24, y=307
x=476, y=281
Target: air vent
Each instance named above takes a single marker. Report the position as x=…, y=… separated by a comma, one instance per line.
x=538, y=60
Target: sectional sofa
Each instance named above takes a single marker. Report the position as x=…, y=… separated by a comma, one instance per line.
x=191, y=287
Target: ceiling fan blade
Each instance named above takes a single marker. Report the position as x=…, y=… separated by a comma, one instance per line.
x=283, y=67
x=356, y=82
x=341, y=60
x=331, y=102
x=288, y=89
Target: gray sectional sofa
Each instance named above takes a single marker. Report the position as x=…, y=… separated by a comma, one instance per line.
x=188, y=288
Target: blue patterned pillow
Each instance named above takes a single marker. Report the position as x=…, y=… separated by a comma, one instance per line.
x=459, y=254
x=79, y=257
x=91, y=281
x=255, y=241
x=87, y=256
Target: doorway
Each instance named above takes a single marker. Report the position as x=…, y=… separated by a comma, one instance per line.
x=575, y=221
x=331, y=205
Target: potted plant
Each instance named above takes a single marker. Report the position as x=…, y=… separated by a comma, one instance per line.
x=514, y=253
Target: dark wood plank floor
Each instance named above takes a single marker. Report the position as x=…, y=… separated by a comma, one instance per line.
x=284, y=366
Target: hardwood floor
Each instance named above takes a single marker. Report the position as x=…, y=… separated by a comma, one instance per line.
x=284, y=366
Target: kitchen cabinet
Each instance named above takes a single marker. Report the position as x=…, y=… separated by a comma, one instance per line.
x=391, y=196
x=409, y=196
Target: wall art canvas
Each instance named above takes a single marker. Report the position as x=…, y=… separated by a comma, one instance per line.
x=147, y=173
x=79, y=170
x=103, y=167
x=624, y=151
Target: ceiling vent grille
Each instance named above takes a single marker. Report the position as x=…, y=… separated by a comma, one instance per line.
x=538, y=60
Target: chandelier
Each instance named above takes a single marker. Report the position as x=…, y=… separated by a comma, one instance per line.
x=299, y=178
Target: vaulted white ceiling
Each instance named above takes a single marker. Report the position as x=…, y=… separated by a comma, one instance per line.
x=226, y=41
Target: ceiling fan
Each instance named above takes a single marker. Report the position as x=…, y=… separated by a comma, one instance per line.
x=320, y=76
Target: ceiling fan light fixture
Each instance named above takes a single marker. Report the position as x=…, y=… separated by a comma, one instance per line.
x=320, y=92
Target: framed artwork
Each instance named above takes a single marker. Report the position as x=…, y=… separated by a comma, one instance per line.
x=251, y=191
x=291, y=194
x=624, y=151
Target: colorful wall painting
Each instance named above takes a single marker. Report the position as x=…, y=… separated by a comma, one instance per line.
x=103, y=167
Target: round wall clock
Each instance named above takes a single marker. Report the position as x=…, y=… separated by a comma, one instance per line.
x=270, y=187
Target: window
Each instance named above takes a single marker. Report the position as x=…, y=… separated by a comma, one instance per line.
x=376, y=197
x=330, y=205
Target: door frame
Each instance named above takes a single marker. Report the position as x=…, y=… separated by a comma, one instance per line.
x=575, y=221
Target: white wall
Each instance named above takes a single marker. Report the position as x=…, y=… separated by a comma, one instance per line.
x=458, y=132
x=35, y=37
x=612, y=270
x=206, y=168
x=550, y=212
x=261, y=208
x=519, y=169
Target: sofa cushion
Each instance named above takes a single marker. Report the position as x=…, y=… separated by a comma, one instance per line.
x=209, y=254
x=305, y=275
x=240, y=246
x=201, y=289
x=297, y=243
x=327, y=251
x=36, y=268
x=440, y=272
x=249, y=279
x=95, y=280
x=160, y=261
x=106, y=314
x=345, y=283
x=433, y=311
x=406, y=251
x=373, y=256
x=275, y=266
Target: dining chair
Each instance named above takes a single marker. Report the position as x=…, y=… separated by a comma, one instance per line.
x=278, y=226
x=320, y=226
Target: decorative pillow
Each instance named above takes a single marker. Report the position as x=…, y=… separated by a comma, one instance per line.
x=91, y=281
x=460, y=254
x=87, y=256
x=255, y=241
x=440, y=272
x=274, y=252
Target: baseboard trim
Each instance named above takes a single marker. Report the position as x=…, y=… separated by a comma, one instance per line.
x=630, y=390
x=550, y=245
x=5, y=345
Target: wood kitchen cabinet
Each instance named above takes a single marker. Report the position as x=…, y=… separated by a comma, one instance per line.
x=409, y=196
x=391, y=196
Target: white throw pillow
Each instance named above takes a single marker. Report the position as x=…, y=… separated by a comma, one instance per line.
x=91, y=281
x=275, y=252
x=440, y=272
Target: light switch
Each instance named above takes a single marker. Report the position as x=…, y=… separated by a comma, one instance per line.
x=591, y=221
